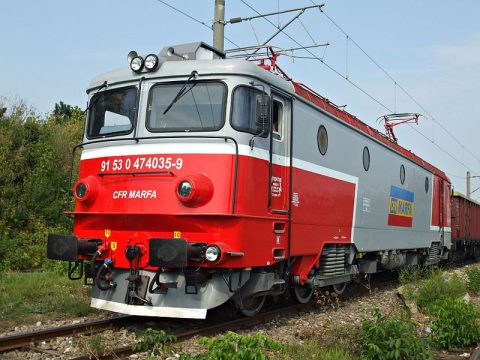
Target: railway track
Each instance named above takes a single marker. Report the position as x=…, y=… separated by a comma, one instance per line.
x=18, y=341
x=233, y=325
x=27, y=340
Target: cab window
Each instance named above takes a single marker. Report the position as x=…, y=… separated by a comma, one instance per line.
x=246, y=101
x=112, y=112
x=277, y=120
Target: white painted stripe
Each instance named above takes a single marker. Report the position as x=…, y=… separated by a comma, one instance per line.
x=304, y=165
x=143, y=310
x=437, y=228
x=354, y=211
x=159, y=148
x=211, y=148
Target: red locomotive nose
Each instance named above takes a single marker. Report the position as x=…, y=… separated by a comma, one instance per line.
x=194, y=190
x=85, y=190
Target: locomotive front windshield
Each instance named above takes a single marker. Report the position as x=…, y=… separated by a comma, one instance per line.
x=112, y=112
x=200, y=106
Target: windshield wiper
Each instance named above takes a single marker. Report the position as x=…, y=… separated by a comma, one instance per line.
x=182, y=91
x=89, y=107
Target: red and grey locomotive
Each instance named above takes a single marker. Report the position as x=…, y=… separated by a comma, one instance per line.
x=205, y=179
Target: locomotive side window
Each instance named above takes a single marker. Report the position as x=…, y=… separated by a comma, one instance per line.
x=402, y=174
x=322, y=140
x=200, y=107
x=244, y=111
x=277, y=120
x=112, y=112
x=366, y=158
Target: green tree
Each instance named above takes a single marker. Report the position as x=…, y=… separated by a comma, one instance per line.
x=35, y=160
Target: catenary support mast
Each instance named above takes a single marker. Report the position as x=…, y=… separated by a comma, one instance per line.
x=219, y=25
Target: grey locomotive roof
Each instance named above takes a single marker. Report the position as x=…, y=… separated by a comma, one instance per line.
x=203, y=67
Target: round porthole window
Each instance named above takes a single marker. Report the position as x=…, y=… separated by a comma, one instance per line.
x=402, y=174
x=366, y=158
x=426, y=184
x=322, y=139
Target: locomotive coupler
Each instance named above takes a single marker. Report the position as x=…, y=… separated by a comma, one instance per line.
x=136, y=283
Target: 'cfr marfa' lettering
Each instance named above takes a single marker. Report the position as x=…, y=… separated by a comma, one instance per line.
x=401, y=207
x=135, y=194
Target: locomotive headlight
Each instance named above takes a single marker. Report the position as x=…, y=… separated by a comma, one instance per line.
x=85, y=190
x=81, y=190
x=212, y=253
x=137, y=64
x=184, y=189
x=151, y=62
x=194, y=190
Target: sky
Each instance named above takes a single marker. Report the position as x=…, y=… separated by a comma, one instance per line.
x=51, y=49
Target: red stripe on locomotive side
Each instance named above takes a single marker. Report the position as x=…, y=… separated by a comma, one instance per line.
x=403, y=221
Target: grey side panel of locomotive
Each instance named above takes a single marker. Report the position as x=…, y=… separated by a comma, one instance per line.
x=345, y=154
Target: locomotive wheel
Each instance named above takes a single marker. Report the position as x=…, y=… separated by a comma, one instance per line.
x=339, y=288
x=252, y=305
x=303, y=294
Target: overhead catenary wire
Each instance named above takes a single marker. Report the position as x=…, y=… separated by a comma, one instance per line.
x=315, y=57
x=358, y=87
x=321, y=60
x=410, y=96
x=194, y=19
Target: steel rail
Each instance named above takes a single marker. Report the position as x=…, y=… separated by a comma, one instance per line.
x=18, y=341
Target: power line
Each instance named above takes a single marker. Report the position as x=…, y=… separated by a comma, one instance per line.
x=194, y=19
x=397, y=84
x=321, y=60
x=185, y=14
x=345, y=77
x=356, y=85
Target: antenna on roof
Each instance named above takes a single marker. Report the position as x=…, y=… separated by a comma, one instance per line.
x=392, y=120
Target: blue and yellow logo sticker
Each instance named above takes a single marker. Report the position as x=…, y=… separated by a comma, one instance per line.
x=401, y=207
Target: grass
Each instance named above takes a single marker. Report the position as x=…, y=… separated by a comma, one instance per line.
x=312, y=349
x=36, y=296
x=473, y=276
x=427, y=288
x=439, y=286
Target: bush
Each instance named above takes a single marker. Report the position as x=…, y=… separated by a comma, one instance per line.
x=473, y=276
x=391, y=338
x=235, y=347
x=437, y=287
x=155, y=342
x=456, y=325
x=34, y=171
